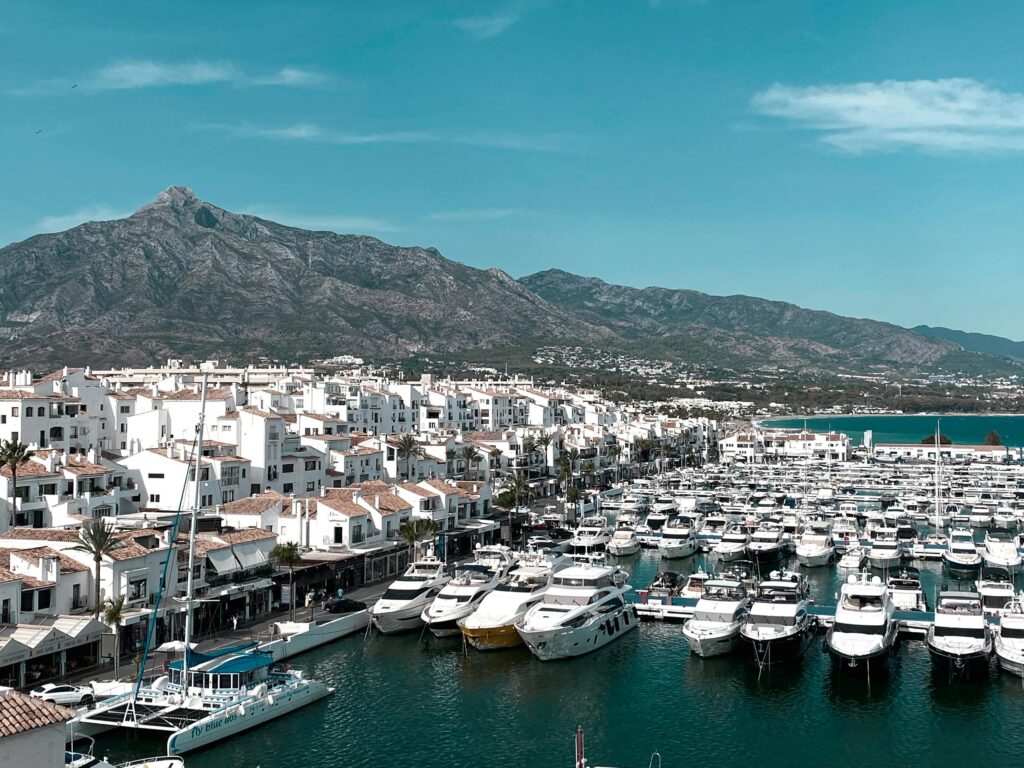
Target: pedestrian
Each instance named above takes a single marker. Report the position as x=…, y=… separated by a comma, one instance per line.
x=234, y=623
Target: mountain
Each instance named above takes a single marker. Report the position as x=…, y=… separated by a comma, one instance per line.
x=181, y=276
x=997, y=346
x=742, y=331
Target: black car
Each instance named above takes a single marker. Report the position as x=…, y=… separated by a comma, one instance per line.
x=344, y=605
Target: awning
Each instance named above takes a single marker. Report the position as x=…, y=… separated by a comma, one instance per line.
x=250, y=556
x=222, y=560
x=259, y=584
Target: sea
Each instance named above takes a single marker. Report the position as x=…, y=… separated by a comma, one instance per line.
x=961, y=429
x=644, y=701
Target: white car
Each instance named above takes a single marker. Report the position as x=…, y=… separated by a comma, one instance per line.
x=56, y=693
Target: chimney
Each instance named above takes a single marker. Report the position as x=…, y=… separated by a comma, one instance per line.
x=51, y=462
x=91, y=455
x=170, y=450
x=323, y=490
x=376, y=501
x=63, y=459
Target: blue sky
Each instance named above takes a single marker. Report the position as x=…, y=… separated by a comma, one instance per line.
x=864, y=158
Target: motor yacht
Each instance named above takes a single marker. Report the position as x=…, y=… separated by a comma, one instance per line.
x=778, y=625
x=492, y=624
x=885, y=551
x=1009, y=638
x=401, y=606
x=852, y=559
x=815, y=546
x=623, y=543
x=591, y=537
x=995, y=585
x=711, y=532
x=470, y=583
x=961, y=557
x=733, y=545
x=932, y=546
x=677, y=539
x=865, y=628
x=766, y=544
x=717, y=617
x=960, y=636
x=584, y=609
x=1000, y=550
x=905, y=590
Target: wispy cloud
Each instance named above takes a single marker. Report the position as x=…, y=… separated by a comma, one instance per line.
x=144, y=73
x=311, y=132
x=82, y=215
x=486, y=27
x=955, y=115
x=474, y=214
x=332, y=222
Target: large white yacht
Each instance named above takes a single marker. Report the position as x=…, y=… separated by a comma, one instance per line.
x=886, y=551
x=1009, y=638
x=733, y=545
x=584, y=609
x=492, y=624
x=470, y=583
x=995, y=585
x=591, y=537
x=960, y=635
x=778, y=625
x=905, y=590
x=678, y=539
x=961, y=557
x=767, y=544
x=717, y=617
x=865, y=629
x=1000, y=549
x=815, y=546
x=401, y=606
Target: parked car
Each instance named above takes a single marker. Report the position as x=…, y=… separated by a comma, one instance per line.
x=344, y=605
x=58, y=693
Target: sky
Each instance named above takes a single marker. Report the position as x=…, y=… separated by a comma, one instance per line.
x=861, y=157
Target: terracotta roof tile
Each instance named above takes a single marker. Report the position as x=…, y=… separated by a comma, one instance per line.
x=254, y=505
x=20, y=713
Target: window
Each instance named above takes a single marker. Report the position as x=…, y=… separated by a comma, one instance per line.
x=45, y=598
x=287, y=468
x=28, y=411
x=311, y=466
x=288, y=487
x=124, y=428
x=227, y=496
x=310, y=486
x=357, y=533
x=154, y=498
x=339, y=535
x=155, y=475
x=28, y=600
x=14, y=411
x=207, y=500
x=125, y=409
x=137, y=589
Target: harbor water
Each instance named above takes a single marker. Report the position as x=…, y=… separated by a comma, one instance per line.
x=403, y=700
x=963, y=430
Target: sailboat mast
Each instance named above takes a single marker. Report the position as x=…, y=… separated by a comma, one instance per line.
x=198, y=453
x=938, y=476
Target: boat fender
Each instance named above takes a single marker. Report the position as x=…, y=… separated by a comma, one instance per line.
x=270, y=700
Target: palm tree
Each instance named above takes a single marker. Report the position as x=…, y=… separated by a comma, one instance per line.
x=288, y=555
x=13, y=454
x=543, y=443
x=587, y=471
x=518, y=486
x=408, y=449
x=113, y=617
x=449, y=457
x=615, y=454
x=495, y=462
x=415, y=530
x=470, y=455
x=97, y=539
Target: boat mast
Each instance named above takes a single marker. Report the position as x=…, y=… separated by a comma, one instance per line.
x=198, y=453
x=938, y=477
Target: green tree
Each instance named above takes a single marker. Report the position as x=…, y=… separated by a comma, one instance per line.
x=113, y=617
x=13, y=454
x=930, y=440
x=993, y=438
x=288, y=555
x=519, y=487
x=543, y=444
x=97, y=539
x=407, y=449
x=415, y=530
x=471, y=456
x=615, y=454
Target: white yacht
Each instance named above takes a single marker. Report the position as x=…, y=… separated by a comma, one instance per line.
x=717, y=617
x=778, y=625
x=677, y=539
x=864, y=629
x=961, y=557
x=766, y=544
x=905, y=590
x=733, y=545
x=995, y=586
x=584, y=609
x=470, y=583
x=492, y=624
x=815, y=546
x=931, y=547
x=712, y=531
x=852, y=559
x=1009, y=638
x=623, y=543
x=886, y=551
x=1000, y=550
x=591, y=537
x=960, y=635
x=401, y=606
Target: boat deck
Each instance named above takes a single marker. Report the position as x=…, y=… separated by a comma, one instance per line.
x=146, y=716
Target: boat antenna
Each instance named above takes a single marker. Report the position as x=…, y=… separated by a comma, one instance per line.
x=581, y=761
x=197, y=453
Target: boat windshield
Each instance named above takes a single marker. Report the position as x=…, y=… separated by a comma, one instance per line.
x=722, y=617
x=568, y=581
x=977, y=632
x=858, y=629
x=997, y=601
x=518, y=587
x=1012, y=633
x=777, y=621
x=398, y=592
x=862, y=602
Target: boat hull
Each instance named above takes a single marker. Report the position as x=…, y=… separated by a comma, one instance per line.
x=884, y=562
x=563, y=643
x=816, y=559
x=958, y=568
x=1010, y=661
x=400, y=620
x=708, y=644
x=492, y=638
x=298, y=637
x=624, y=550
x=238, y=718
x=778, y=650
x=672, y=550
